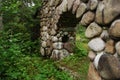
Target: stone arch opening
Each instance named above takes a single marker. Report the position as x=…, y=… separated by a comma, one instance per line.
x=67, y=25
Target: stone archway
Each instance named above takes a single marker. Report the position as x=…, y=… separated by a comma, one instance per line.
x=102, y=19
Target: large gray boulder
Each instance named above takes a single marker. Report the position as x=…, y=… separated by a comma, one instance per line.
x=111, y=10
x=108, y=66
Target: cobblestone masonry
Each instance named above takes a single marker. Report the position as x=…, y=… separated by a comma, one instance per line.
x=102, y=20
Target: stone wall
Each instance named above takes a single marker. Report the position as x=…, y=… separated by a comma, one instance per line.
x=102, y=20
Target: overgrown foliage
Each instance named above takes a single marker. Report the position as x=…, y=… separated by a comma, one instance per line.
x=19, y=45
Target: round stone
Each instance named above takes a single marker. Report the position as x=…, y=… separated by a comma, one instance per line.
x=96, y=44
x=58, y=45
x=93, y=30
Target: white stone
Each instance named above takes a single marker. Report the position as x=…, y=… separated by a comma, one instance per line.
x=96, y=60
x=117, y=47
x=65, y=33
x=45, y=36
x=44, y=28
x=63, y=53
x=42, y=51
x=52, y=32
x=55, y=54
x=58, y=45
x=97, y=44
x=60, y=38
x=54, y=39
x=62, y=7
x=44, y=44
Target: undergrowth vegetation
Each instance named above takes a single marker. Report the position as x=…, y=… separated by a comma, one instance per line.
x=19, y=53
x=21, y=60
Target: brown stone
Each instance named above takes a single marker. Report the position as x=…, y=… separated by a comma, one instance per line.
x=87, y=18
x=91, y=55
x=109, y=47
x=92, y=73
x=68, y=46
x=114, y=30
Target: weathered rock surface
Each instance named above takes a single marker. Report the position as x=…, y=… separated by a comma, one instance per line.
x=44, y=44
x=68, y=46
x=55, y=54
x=52, y=32
x=70, y=4
x=117, y=47
x=97, y=44
x=63, y=53
x=109, y=47
x=93, y=30
x=91, y=55
x=92, y=4
x=114, y=30
x=62, y=7
x=105, y=35
x=54, y=39
x=92, y=73
x=99, y=13
x=58, y=45
x=111, y=10
x=81, y=9
x=75, y=6
x=109, y=67
x=87, y=18
x=42, y=51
